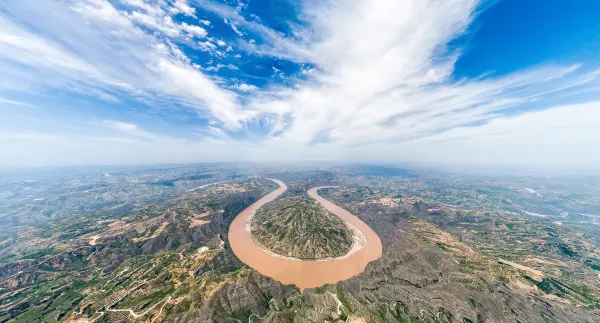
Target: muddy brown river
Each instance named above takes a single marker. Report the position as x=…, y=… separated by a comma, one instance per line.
x=304, y=274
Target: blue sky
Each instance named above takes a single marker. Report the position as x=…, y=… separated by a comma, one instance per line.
x=463, y=82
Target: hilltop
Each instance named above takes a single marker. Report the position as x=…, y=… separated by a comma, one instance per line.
x=299, y=227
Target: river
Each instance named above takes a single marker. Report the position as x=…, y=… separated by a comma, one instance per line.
x=302, y=273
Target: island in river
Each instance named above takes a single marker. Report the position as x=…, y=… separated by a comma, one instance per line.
x=300, y=227
x=366, y=247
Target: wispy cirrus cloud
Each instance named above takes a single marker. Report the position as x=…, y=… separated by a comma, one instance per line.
x=274, y=43
x=348, y=80
x=383, y=68
x=92, y=45
x=4, y=101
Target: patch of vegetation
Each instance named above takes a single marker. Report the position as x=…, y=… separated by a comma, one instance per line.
x=299, y=227
x=565, y=249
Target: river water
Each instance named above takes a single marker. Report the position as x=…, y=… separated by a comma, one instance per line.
x=304, y=274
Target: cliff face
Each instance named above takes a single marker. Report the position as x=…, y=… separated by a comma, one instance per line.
x=299, y=227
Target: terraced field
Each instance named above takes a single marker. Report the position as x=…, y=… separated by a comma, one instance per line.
x=299, y=227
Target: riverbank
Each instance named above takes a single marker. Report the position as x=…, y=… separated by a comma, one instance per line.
x=304, y=273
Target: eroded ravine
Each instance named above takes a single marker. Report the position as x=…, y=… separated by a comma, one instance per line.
x=304, y=274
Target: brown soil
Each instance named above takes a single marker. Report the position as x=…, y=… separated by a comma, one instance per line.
x=194, y=223
x=535, y=274
x=304, y=274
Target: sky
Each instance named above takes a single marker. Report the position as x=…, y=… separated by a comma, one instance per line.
x=504, y=83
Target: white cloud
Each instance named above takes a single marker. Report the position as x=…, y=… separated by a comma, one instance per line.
x=275, y=44
x=215, y=68
x=234, y=27
x=182, y=79
x=159, y=16
x=182, y=6
x=157, y=19
x=4, y=101
x=377, y=84
x=391, y=93
x=246, y=87
x=130, y=132
x=240, y=5
x=277, y=72
x=95, y=48
x=396, y=85
x=207, y=46
x=237, y=31
x=163, y=24
x=121, y=126
x=193, y=30
x=154, y=10
x=562, y=136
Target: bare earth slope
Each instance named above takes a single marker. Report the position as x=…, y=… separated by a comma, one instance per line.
x=299, y=227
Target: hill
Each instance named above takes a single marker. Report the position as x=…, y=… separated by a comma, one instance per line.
x=300, y=227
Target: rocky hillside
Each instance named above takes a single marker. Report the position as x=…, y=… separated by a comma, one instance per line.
x=171, y=262
x=143, y=260
x=299, y=227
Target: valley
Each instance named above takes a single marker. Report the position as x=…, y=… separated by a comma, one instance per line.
x=436, y=250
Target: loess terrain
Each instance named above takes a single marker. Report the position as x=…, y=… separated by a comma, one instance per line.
x=122, y=248
x=299, y=227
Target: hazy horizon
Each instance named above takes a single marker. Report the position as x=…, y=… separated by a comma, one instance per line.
x=417, y=169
